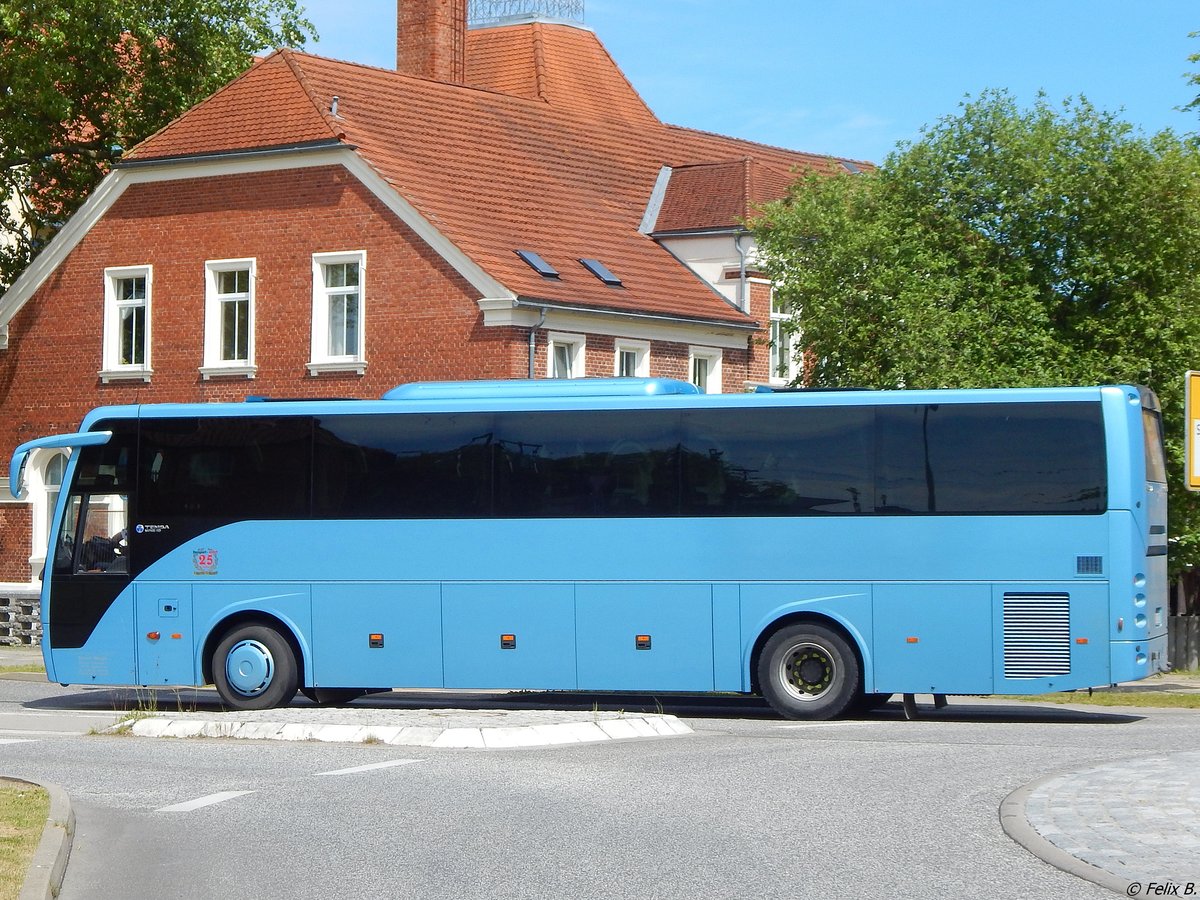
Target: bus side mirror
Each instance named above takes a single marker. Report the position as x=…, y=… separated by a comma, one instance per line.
x=16, y=478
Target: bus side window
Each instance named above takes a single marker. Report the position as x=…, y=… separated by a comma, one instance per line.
x=64, y=550
x=94, y=537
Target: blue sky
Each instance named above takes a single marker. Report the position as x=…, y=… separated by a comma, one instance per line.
x=854, y=78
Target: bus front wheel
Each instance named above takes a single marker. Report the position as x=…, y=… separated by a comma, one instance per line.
x=254, y=668
x=808, y=671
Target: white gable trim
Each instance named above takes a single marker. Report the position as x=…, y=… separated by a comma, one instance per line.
x=654, y=205
x=112, y=187
x=505, y=313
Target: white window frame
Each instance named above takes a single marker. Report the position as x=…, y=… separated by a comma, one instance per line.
x=641, y=368
x=321, y=359
x=782, y=343
x=713, y=356
x=576, y=352
x=112, y=367
x=214, y=320
x=43, y=498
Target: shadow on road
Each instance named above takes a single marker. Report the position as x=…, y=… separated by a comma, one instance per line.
x=164, y=701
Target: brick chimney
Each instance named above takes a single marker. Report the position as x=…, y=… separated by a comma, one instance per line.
x=431, y=37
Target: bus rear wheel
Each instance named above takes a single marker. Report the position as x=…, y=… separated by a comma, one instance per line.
x=254, y=668
x=808, y=671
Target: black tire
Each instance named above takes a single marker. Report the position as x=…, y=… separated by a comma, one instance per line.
x=254, y=668
x=808, y=671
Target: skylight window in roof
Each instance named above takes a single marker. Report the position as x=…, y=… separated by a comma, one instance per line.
x=538, y=264
x=851, y=167
x=601, y=271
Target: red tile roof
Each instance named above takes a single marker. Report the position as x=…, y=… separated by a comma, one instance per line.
x=566, y=67
x=551, y=150
x=718, y=195
x=270, y=105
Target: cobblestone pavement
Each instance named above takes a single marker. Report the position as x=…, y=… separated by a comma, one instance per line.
x=1133, y=826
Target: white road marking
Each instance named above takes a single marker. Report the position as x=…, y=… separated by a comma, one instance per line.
x=201, y=802
x=16, y=741
x=74, y=714
x=383, y=765
x=30, y=731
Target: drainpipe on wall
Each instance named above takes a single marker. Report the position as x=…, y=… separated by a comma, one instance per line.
x=743, y=301
x=533, y=340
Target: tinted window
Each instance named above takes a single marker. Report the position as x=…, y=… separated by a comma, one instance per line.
x=195, y=474
x=777, y=462
x=1152, y=435
x=991, y=458
x=107, y=467
x=403, y=467
x=225, y=470
x=603, y=463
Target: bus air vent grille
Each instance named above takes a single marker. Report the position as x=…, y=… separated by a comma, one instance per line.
x=1089, y=565
x=1037, y=635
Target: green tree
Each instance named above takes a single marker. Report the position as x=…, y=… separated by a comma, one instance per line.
x=83, y=80
x=1007, y=246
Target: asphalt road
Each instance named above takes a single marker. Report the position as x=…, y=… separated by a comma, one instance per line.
x=746, y=807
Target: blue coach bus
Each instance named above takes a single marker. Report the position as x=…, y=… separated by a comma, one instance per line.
x=825, y=549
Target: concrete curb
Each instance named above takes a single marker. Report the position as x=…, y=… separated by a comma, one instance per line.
x=1016, y=825
x=45, y=876
x=482, y=738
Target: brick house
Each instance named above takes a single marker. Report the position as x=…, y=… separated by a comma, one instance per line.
x=504, y=205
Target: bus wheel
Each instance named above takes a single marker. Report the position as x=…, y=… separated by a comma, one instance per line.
x=808, y=671
x=254, y=668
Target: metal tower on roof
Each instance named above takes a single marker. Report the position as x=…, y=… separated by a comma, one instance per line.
x=492, y=12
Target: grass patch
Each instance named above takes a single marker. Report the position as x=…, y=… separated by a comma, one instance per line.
x=23, y=811
x=1156, y=699
x=23, y=667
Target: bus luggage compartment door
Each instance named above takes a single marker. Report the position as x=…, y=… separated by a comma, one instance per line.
x=511, y=635
x=933, y=638
x=377, y=635
x=645, y=637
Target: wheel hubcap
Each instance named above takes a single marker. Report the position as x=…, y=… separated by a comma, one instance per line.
x=807, y=671
x=249, y=668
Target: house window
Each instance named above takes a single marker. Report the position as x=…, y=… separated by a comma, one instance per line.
x=564, y=356
x=44, y=498
x=127, y=294
x=704, y=369
x=784, y=367
x=229, y=318
x=338, y=337
x=632, y=359
x=53, y=479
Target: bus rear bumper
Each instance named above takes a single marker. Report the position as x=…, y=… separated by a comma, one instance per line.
x=1135, y=660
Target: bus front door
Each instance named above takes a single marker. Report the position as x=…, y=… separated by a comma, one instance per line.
x=89, y=622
